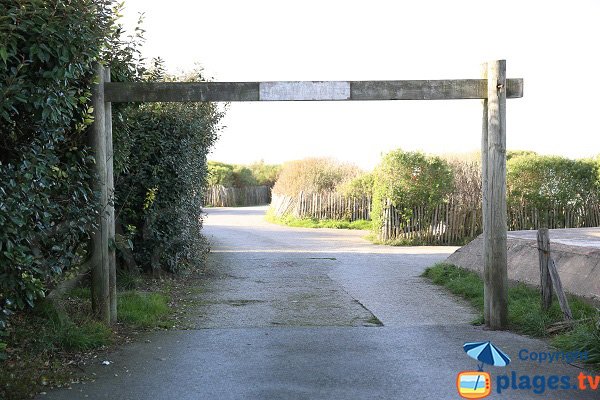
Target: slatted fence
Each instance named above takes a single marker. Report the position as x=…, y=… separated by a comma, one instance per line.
x=327, y=205
x=221, y=196
x=455, y=221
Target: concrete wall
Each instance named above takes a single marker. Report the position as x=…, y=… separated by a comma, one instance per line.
x=578, y=266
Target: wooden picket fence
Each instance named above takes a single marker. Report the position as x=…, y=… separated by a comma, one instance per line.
x=327, y=205
x=455, y=221
x=581, y=216
x=446, y=223
x=221, y=196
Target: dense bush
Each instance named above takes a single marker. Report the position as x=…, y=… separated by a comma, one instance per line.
x=159, y=188
x=361, y=186
x=265, y=174
x=548, y=182
x=47, y=52
x=233, y=175
x=313, y=175
x=408, y=179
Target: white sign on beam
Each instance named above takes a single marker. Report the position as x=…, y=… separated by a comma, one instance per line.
x=304, y=91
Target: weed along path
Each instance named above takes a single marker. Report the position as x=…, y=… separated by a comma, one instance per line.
x=297, y=313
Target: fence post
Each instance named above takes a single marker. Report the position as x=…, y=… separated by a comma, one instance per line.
x=543, y=241
x=100, y=267
x=495, y=268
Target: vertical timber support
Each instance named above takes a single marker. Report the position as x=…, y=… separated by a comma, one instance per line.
x=495, y=268
x=110, y=215
x=100, y=268
x=485, y=202
x=543, y=242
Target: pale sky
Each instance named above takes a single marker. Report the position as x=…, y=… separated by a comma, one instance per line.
x=553, y=45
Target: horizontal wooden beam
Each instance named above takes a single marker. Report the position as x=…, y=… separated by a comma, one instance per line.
x=449, y=89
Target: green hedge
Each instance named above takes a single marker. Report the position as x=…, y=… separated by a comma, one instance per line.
x=48, y=50
x=235, y=175
x=408, y=179
x=47, y=53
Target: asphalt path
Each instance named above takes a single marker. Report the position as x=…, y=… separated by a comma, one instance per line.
x=295, y=313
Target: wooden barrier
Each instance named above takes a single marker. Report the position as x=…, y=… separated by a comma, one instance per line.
x=494, y=87
x=221, y=196
x=326, y=205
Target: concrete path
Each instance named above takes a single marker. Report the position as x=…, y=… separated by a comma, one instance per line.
x=290, y=313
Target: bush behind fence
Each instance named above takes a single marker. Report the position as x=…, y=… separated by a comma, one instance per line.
x=454, y=221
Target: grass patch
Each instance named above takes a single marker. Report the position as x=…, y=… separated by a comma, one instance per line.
x=373, y=238
x=143, y=310
x=48, y=346
x=525, y=313
x=42, y=342
x=360, y=224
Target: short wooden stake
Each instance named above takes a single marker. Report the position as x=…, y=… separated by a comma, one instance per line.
x=543, y=241
x=560, y=293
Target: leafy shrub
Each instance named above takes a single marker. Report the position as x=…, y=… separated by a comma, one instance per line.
x=265, y=174
x=232, y=175
x=360, y=186
x=408, y=179
x=48, y=50
x=159, y=189
x=546, y=182
x=47, y=53
x=313, y=175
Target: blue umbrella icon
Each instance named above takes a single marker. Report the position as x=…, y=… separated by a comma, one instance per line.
x=486, y=353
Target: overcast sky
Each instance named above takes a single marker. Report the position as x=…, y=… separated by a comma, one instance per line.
x=553, y=45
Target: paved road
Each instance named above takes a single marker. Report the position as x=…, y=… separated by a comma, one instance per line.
x=290, y=313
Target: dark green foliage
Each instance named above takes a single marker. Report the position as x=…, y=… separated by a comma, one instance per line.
x=48, y=50
x=159, y=185
x=408, y=179
x=47, y=53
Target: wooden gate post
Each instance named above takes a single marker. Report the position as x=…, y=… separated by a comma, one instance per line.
x=494, y=198
x=485, y=202
x=99, y=257
x=110, y=215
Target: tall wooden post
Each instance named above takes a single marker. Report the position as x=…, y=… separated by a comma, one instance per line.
x=494, y=207
x=485, y=202
x=110, y=214
x=100, y=267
